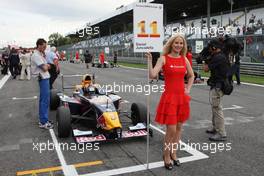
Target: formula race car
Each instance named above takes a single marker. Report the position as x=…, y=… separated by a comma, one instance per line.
x=92, y=114
x=97, y=64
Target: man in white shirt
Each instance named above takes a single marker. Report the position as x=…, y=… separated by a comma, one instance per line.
x=40, y=70
x=25, y=62
x=52, y=59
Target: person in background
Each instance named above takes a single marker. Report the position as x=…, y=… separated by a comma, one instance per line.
x=235, y=66
x=52, y=58
x=14, y=63
x=56, y=61
x=40, y=70
x=93, y=57
x=77, y=56
x=1, y=60
x=115, y=59
x=155, y=57
x=189, y=55
x=25, y=62
x=87, y=58
x=71, y=58
x=5, y=63
x=102, y=59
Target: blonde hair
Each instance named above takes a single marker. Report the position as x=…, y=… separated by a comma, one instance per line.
x=168, y=46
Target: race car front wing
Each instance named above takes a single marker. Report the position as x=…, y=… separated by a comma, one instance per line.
x=101, y=137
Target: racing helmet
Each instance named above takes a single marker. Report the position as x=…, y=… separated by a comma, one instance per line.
x=87, y=80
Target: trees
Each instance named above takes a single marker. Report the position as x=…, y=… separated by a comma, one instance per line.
x=54, y=39
x=57, y=39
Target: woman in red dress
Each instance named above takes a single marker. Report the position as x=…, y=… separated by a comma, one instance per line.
x=102, y=59
x=174, y=106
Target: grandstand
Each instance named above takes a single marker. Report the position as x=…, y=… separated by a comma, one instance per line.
x=244, y=19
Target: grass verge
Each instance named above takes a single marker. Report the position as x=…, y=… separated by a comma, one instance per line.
x=143, y=66
x=243, y=78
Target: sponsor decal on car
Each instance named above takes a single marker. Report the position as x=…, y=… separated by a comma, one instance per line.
x=90, y=139
x=128, y=134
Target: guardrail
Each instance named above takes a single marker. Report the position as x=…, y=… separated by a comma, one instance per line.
x=252, y=69
x=256, y=69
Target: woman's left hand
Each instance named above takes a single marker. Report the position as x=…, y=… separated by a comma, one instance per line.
x=186, y=91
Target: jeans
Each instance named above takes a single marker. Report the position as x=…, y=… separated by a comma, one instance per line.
x=44, y=100
x=235, y=70
x=14, y=69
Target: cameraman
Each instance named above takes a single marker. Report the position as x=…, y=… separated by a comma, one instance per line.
x=218, y=66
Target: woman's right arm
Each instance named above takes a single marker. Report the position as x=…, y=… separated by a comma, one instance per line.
x=153, y=72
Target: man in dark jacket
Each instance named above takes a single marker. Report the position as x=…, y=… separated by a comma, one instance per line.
x=235, y=68
x=219, y=67
x=14, y=63
x=87, y=58
x=155, y=57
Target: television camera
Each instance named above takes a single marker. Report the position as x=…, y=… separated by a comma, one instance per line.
x=229, y=45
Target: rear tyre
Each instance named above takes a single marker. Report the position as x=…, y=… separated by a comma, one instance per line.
x=138, y=113
x=63, y=122
x=54, y=100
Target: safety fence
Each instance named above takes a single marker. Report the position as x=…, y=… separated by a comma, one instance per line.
x=255, y=69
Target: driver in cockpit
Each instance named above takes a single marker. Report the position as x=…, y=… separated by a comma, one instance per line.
x=86, y=88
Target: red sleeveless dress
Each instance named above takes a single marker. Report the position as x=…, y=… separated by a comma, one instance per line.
x=174, y=105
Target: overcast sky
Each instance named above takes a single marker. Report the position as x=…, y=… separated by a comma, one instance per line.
x=23, y=21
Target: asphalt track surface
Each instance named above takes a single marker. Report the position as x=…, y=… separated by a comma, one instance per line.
x=244, y=116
